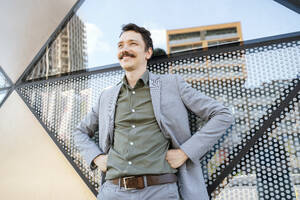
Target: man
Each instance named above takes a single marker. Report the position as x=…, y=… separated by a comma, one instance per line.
x=146, y=150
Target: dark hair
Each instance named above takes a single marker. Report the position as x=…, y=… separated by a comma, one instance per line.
x=146, y=35
x=159, y=52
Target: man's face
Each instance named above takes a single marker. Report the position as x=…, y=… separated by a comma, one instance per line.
x=131, y=51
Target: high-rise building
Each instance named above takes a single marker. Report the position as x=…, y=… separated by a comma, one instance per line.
x=66, y=53
x=202, y=37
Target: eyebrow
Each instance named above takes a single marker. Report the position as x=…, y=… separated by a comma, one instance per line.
x=131, y=40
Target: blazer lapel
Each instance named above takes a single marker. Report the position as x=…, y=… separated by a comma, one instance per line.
x=155, y=91
x=111, y=110
x=155, y=85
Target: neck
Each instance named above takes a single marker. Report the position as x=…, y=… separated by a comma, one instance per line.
x=133, y=76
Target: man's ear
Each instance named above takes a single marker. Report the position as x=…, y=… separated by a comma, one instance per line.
x=149, y=53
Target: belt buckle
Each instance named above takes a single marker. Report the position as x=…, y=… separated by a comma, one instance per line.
x=125, y=184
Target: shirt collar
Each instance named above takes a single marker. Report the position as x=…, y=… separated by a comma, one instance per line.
x=144, y=78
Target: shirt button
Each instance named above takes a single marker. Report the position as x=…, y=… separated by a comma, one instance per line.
x=132, y=110
x=133, y=126
x=133, y=92
x=131, y=143
x=129, y=162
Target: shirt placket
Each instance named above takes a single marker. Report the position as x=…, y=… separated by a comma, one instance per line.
x=132, y=111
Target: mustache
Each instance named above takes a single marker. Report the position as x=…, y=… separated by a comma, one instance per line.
x=126, y=53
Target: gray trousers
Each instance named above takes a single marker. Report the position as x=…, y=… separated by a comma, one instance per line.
x=110, y=191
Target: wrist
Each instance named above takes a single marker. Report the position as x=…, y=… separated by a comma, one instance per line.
x=183, y=154
x=97, y=159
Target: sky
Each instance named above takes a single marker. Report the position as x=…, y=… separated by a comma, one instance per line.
x=103, y=20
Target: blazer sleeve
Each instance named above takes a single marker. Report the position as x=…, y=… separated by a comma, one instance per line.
x=84, y=132
x=218, y=118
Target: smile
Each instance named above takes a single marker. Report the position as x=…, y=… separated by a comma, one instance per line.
x=126, y=57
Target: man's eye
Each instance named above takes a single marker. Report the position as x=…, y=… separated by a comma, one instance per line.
x=120, y=46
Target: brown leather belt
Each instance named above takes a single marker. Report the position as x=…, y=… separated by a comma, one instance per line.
x=137, y=182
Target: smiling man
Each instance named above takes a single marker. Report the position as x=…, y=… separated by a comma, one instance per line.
x=146, y=150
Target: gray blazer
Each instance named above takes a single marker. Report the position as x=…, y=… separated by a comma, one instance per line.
x=171, y=97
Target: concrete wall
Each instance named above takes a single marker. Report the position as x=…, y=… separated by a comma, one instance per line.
x=32, y=167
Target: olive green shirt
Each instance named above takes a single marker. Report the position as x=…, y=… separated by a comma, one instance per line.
x=139, y=147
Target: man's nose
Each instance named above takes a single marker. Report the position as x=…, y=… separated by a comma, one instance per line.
x=125, y=47
x=124, y=50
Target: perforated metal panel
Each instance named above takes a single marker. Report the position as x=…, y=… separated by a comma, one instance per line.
x=60, y=105
x=253, y=83
x=257, y=158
